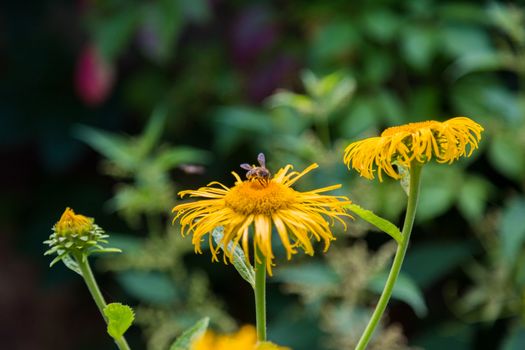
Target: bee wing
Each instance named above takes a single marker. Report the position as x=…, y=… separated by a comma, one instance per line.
x=262, y=160
x=246, y=166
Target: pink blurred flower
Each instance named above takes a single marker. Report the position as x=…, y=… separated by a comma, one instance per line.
x=94, y=76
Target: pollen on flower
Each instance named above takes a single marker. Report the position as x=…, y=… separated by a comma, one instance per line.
x=410, y=127
x=73, y=224
x=252, y=208
x=254, y=197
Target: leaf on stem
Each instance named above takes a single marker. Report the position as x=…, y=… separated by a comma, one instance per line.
x=405, y=290
x=239, y=260
x=120, y=317
x=190, y=335
x=382, y=224
x=405, y=178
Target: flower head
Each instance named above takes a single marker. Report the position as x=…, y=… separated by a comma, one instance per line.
x=262, y=202
x=76, y=234
x=445, y=141
x=73, y=224
x=244, y=339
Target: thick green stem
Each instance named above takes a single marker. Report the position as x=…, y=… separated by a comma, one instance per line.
x=92, y=285
x=260, y=296
x=415, y=172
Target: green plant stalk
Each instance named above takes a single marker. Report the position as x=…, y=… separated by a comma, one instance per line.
x=92, y=285
x=415, y=173
x=323, y=129
x=260, y=295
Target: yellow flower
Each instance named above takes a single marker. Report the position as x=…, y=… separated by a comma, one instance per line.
x=73, y=224
x=445, y=141
x=244, y=339
x=270, y=346
x=262, y=202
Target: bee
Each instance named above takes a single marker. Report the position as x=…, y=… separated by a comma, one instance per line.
x=257, y=172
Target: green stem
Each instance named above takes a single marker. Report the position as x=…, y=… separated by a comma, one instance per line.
x=260, y=295
x=323, y=130
x=92, y=285
x=415, y=172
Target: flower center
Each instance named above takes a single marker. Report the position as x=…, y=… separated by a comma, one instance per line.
x=410, y=127
x=255, y=197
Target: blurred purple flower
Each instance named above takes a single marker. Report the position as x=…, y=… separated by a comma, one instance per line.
x=148, y=40
x=94, y=76
x=253, y=32
x=280, y=72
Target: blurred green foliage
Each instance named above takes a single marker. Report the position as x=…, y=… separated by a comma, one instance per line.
x=298, y=81
x=366, y=66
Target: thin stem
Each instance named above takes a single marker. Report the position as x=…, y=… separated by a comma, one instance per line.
x=92, y=285
x=415, y=172
x=260, y=295
x=323, y=130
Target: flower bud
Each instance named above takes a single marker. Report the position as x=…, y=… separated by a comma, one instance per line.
x=76, y=234
x=73, y=224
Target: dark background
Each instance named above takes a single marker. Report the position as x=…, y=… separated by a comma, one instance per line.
x=211, y=67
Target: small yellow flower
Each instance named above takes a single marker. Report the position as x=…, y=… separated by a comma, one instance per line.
x=244, y=339
x=262, y=202
x=76, y=234
x=73, y=224
x=445, y=141
x=270, y=346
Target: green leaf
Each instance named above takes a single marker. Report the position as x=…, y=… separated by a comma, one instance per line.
x=382, y=23
x=338, y=92
x=165, y=19
x=405, y=178
x=239, y=261
x=333, y=40
x=71, y=264
x=389, y=106
x=461, y=41
x=113, y=33
x=301, y=103
x=112, y=146
x=119, y=317
x=105, y=250
x=176, y=156
x=476, y=62
x=307, y=274
x=153, y=130
x=362, y=115
x=512, y=230
x=243, y=118
x=507, y=155
x=237, y=124
x=329, y=92
x=418, y=45
x=382, y=224
x=441, y=187
x=191, y=334
x=149, y=286
x=405, y=290
x=428, y=262
x=473, y=197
